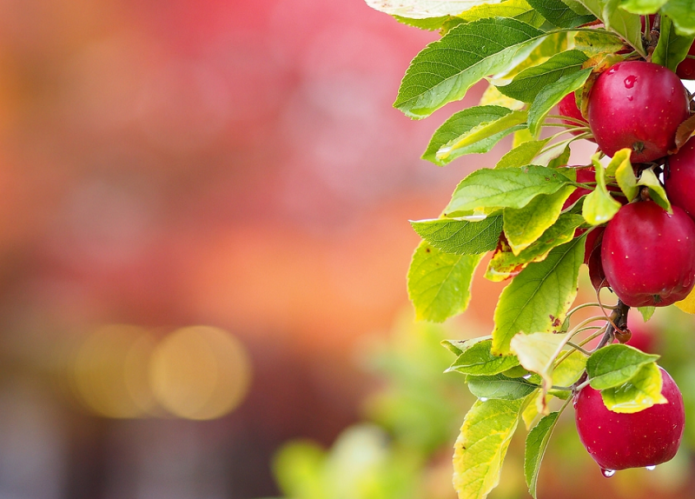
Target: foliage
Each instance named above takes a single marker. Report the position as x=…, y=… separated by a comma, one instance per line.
x=529, y=210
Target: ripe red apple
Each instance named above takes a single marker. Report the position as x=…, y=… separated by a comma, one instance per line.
x=686, y=69
x=648, y=255
x=585, y=175
x=568, y=107
x=680, y=178
x=638, y=105
x=620, y=441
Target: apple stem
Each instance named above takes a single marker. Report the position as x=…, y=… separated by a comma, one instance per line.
x=644, y=194
x=653, y=37
x=617, y=320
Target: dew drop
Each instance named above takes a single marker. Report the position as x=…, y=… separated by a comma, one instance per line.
x=607, y=473
x=526, y=376
x=630, y=81
x=483, y=399
x=651, y=468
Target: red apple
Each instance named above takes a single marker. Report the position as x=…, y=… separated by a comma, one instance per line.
x=686, y=69
x=648, y=255
x=620, y=441
x=568, y=107
x=638, y=105
x=680, y=178
x=585, y=175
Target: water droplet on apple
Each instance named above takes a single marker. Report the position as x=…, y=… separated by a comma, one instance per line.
x=651, y=468
x=630, y=81
x=607, y=473
x=483, y=399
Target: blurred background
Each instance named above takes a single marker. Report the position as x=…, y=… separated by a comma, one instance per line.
x=203, y=249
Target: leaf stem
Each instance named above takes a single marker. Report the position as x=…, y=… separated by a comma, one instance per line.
x=577, y=347
x=567, y=118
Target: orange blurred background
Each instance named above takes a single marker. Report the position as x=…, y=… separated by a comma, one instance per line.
x=195, y=164
x=204, y=212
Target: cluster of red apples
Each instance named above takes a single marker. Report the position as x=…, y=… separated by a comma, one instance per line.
x=645, y=254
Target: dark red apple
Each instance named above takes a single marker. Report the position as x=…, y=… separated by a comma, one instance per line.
x=686, y=69
x=637, y=105
x=680, y=178
x=568, y=107
x=620, y=441
x=585, y=175
x=648, y=256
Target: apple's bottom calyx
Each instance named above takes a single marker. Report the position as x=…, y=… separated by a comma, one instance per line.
x=642, y=439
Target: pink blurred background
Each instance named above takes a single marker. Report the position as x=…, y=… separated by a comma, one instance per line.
x=204, y=212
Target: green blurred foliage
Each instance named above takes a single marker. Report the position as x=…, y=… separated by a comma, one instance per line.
x=404, y=450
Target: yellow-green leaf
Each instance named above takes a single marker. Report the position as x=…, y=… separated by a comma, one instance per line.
x=688, y=304
x=539, y=297
x=439, y=283
x=505, y=264
x=482, y=446
x=523, y=226
x=641, y=392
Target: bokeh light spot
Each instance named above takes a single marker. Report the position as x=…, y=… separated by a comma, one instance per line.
x=200, y=372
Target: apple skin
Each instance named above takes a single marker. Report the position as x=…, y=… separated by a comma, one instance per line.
x=568, y=107
x=648, y=256
x=585, y=174
x=680, y=178
x=686, y=69
x=620, y=441
x=637, y=105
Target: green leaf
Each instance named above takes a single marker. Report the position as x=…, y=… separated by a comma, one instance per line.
x=536, y=444
x=625, y=176
x=672, y=48
x=446, y=69
x=486, y=189
x=577, y=7
x=551, y=95
x=567, y=372
x=599, y=206
x=553, y=153
x=537, y=352
x=478, y=361
x=681, y=13
x=523, y=226
x=505, y=264
x=641, y=392
x=457, y=347
x=482, y=445
x=461, y=237
x=656, y=190
x=627, y=25
x=481, y=134
x=562, y=160
x=462, y=123
x=539, y=297
x=522, y=154
x=646, y=312
x=499, y=387
x=427, y=24
x=527, y=84
x=422, y=9
x=615, y=365
x=643, y=7
x=619, y=159
x=518, y=9
x=551, y=45
x=560, y=14
x=593, y=43
x=493, y=97
x=439, y=283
